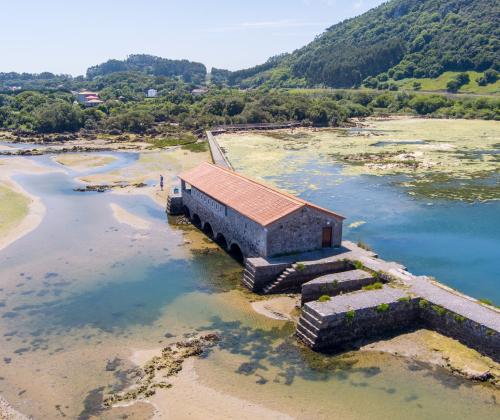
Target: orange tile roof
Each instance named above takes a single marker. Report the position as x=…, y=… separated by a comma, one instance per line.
x=257, y=201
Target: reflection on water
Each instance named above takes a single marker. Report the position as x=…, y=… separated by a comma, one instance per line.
x=82, y=291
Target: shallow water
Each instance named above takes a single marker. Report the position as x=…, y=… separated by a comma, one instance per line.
x=80, y=293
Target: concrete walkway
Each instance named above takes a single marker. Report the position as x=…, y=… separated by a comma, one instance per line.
x=218, y=156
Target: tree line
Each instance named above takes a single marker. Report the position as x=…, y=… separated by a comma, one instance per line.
x=49, y=112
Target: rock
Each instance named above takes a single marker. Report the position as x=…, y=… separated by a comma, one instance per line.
x=169, y=363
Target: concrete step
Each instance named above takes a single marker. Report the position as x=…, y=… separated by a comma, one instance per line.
x=247, y=284
x=304, y=332
x=308, y=325
x=305, y=337
x=311, y=314
x=311, y=317
x=269, y=288
x=249, y=265
x=249, y=278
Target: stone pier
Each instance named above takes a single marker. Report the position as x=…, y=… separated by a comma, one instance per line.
x=340, y=308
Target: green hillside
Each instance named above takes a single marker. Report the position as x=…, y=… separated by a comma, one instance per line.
x=398, y=40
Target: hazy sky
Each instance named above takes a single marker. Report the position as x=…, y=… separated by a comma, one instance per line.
x=67, y=36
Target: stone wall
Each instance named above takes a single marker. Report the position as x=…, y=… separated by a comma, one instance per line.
x=302, y=231
x=368, y=324
x=467, y=331
x=336, y=284
x=236, y=229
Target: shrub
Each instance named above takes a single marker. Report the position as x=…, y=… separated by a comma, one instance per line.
x=439, y=310
x=424, y=105
x=358, y=265
x=404, y=299
x=374, y=286
x=364, y=246
x=457, y=82
x=486, y=301
x=459, y=318
x=423, y=303
x=300, y=266
x=324, y=298
x=383, y=307
x=349, y=315
x=335, y=283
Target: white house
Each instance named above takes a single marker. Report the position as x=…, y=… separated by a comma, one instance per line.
x=152, y=93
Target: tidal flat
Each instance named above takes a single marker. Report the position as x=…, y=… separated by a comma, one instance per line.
x=91, y=294
x=450, y=159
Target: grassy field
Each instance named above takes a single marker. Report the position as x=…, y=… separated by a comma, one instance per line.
x=439, y=83
x=428, y=85
x=13, y=208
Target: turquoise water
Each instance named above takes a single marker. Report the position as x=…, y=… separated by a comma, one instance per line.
x=82, y=290
x=454, y=241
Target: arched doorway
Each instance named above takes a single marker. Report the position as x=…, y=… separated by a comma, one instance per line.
x=236, y=253
x=196, y=221
x=221, y=241
x=208, y=230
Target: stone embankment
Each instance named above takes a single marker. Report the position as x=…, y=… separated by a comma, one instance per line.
x=350, y=296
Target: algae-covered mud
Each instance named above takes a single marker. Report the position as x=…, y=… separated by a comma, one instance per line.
x=455, y=159
x=422, y=192
x=105, y=282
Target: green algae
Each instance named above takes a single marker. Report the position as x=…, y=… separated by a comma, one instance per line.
x=452, y=159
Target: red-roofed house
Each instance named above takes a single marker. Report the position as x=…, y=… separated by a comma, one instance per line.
x=253, y=219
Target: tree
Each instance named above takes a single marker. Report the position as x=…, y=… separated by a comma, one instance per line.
x=58, y=117
x=457, y=82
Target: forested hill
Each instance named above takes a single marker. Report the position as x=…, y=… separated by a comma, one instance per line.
x=399, y=39
x=189, y=71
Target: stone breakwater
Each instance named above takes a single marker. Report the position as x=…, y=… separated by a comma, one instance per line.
x=349, y=295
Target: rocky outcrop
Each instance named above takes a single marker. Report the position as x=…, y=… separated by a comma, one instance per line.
x=107, y=187
x=168, y=363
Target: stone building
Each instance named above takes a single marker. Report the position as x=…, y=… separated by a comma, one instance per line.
x=250, y=219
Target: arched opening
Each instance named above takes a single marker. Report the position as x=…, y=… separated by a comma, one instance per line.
x=208, y=230
x=186, y=211
x=221, y=241
x=196, y=221
x=236, y=253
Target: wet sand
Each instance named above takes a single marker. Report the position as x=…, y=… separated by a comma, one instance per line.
x=282, y=308
x=123, y=216
x=7, y=412
x=440, y=351
x=82, y=161
x=190, y=399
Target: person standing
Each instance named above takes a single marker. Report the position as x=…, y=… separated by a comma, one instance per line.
x=161, y=182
